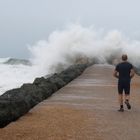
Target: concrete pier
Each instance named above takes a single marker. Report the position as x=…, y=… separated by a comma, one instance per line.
x=85, y=109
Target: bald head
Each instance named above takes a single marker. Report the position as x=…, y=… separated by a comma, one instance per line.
x=124, y=57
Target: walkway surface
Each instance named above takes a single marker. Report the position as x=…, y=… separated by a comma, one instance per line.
x=85, y=109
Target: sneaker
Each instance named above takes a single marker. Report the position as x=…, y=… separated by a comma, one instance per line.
x=128, y=105
x=121, y=110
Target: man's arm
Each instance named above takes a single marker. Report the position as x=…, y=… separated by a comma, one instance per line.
x=115, y=74
x=132, y=73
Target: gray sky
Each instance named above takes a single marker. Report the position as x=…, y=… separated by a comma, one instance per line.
x=25, y=22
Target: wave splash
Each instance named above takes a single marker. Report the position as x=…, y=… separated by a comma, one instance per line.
x=77, y=44
x=74, y=44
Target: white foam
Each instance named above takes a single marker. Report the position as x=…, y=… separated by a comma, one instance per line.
x=63, y=48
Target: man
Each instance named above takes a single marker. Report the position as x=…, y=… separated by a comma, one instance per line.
x=124, y=71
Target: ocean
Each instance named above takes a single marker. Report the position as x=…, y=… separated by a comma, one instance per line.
x=13, y=75
x=65, y=47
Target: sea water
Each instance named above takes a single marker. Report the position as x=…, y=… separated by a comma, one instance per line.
x=66, y=47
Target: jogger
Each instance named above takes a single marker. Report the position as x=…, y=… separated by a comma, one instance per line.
x=124, y=71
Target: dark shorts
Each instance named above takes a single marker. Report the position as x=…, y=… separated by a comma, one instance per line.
x=124, y=85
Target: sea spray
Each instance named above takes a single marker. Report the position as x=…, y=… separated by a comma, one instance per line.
x=65, y=47
x=74, y=44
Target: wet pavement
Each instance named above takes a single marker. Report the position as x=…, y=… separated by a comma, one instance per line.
x=85, y=109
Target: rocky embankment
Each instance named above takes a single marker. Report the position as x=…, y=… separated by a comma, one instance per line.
x=16, y=102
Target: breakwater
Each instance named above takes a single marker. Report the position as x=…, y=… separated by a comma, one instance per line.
x=17, y=102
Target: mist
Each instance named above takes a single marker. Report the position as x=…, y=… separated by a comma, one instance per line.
x=26, y=22
x=77, y=43
x=73, y=44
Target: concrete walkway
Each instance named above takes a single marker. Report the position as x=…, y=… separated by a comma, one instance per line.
x=85, y=109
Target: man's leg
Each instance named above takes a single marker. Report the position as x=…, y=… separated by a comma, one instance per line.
x=127, y=95
x=120, y=97
x=127, y=98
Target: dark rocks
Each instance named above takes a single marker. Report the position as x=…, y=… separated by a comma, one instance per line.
x=16, y=102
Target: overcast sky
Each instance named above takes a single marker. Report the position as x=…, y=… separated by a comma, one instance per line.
x=25, y=22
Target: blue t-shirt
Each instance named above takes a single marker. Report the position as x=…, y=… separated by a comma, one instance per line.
x=124, y=69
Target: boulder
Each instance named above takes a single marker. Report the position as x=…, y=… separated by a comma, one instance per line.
x=17, y=102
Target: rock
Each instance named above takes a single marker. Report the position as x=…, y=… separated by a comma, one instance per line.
x=16, y=102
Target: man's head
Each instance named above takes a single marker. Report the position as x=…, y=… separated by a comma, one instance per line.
x=124, y=57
